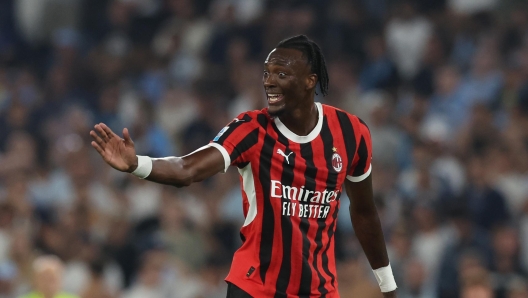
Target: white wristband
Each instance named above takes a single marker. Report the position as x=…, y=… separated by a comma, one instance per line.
x=385, y=279
x=144, y=167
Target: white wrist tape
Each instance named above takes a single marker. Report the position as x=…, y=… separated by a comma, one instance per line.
x=144, y=167
x=385, y=279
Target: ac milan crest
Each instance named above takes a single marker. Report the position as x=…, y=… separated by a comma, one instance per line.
x=337, y=162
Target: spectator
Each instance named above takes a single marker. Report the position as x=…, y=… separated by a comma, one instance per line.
x=379, y=72
x=506, y=268
x=448, y=105
x=476, y=284
x=430, y=241
x=486, y=205
x=97, y=287
x=472, y=248
x=407, y=36
x=48, y=272
x=149, y=281
x=415, y=281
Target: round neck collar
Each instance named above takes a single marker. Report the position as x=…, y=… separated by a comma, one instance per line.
x=302, y=139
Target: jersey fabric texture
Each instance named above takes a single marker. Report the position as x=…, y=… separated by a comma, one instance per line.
x=291, y=187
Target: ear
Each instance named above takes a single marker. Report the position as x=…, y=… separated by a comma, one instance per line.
x=311, y=80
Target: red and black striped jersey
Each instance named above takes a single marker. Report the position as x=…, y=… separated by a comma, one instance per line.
x=291, y=187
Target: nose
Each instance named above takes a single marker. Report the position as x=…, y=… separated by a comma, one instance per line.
x=268, y=80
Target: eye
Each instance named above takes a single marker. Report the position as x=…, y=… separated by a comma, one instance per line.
x=282, y=75
x=265, y=74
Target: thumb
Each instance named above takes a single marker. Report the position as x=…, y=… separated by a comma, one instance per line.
x=126, y=136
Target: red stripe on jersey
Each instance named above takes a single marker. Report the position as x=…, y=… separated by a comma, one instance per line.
x=363, y=154
x=296, y=258
x=317, y=248
x=339, y=145
x=339, y=149
x=307, y=271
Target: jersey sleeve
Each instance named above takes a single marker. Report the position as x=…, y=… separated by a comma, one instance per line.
x=361, y=164
x=236, y=140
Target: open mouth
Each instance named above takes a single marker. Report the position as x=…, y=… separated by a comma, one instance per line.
x=274, y=98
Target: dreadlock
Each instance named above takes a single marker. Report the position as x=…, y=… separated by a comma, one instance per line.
x=314, y=56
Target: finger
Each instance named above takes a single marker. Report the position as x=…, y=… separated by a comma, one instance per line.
x=96, y=138
x=101, y=132
x=97, y=147
x=126, y=136
x=108, y=131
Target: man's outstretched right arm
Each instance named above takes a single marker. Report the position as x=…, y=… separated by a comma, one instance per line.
x=178, y=171
x=182, y=171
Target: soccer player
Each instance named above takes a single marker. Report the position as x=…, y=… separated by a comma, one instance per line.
x=293, y=158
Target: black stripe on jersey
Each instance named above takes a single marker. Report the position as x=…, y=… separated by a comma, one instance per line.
x=232, y=126
x=330, y=235
x=363, y=156
x=318, y=247
x=283, y=278
x=246, y=143
x=262, y=120
x=306, y=271
x=363, y=122
x=268, y=220
x=348, y=135
x=242, y=165
x=331, y=183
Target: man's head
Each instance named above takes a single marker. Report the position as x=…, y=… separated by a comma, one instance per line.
x=48, y=275
x=291, y=73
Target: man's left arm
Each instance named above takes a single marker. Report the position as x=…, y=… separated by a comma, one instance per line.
x=367, y=227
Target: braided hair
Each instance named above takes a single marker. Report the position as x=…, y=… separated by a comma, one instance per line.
x=313, y=54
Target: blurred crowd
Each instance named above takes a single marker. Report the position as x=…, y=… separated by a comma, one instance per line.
x=442, y=84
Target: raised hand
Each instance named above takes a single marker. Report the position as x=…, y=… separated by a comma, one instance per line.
x=116, y=151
